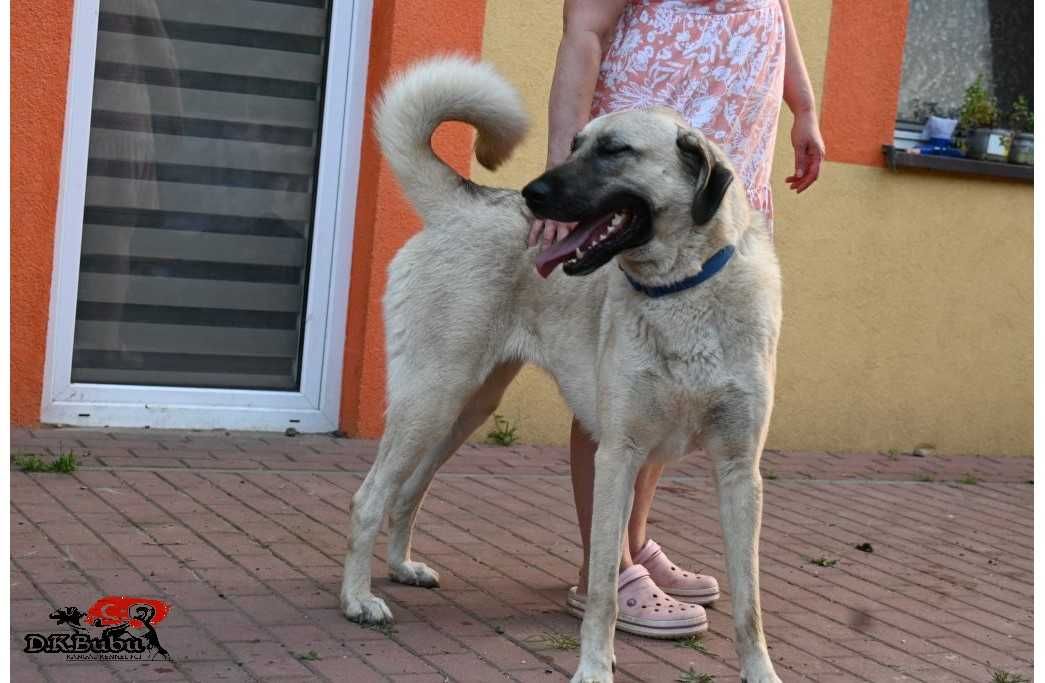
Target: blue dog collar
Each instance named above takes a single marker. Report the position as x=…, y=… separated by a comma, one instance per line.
x=714, y=264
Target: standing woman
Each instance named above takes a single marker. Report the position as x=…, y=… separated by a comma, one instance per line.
x=724, y=65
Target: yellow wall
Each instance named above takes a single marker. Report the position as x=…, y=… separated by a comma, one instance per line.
x=908, y=305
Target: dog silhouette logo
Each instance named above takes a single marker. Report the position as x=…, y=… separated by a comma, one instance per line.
x=115, y=627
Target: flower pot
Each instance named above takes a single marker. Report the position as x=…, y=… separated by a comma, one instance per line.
x=939, y=127
x=990, y=144
x=1022, y=151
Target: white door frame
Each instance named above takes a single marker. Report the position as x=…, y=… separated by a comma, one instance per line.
x=315, y=407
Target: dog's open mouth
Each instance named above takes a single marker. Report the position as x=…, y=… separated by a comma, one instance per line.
x=594, y=241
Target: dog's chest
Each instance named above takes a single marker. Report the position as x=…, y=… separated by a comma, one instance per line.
x=685, y=351
x=690, y=364
x=683, y=417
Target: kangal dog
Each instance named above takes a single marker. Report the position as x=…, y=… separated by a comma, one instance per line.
x=656, y=357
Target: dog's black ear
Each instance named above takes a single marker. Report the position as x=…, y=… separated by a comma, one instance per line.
x=711, y=180
x=705, y=204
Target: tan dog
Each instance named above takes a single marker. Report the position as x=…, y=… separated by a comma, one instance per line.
x=650, y=376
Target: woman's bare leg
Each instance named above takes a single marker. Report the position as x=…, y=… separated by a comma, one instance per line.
x=582, y=472
x=645, y=488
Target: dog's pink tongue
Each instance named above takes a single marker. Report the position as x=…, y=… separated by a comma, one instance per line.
x=555, y=254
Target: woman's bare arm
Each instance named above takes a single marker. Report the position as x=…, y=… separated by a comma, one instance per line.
x=798, y=90
x=587, y=29
x=798, y=93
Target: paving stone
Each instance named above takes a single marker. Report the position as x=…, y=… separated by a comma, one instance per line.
x=244, y=534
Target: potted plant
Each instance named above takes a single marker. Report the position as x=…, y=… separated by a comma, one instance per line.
x=979, y=118
x=1022, y=122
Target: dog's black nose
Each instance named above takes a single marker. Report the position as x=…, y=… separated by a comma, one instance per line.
x=537, y=192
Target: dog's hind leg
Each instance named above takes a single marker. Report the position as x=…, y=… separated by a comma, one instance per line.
x=401, y=568
x=736, y=447
x=416, y=413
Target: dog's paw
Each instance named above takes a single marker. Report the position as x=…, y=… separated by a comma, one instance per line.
x=761, y=674
x=366, y=609
x=592, y=674
x=414, y=574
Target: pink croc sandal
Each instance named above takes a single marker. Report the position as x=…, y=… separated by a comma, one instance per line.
x=699, y=588
x=645, y=610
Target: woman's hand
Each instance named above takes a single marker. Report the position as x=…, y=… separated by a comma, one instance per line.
x=545, y=233
x=588, y=27
x=809, y=151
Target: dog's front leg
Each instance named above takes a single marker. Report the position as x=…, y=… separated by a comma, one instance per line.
x=616, y=466
x=740, y=508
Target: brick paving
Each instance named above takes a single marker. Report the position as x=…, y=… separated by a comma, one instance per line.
x=244, y=535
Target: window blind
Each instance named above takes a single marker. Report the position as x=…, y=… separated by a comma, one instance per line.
x=200, y=192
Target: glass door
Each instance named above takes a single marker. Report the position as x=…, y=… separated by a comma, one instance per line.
x=209, y=187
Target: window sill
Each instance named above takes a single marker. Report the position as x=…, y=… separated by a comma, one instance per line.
x=897, y=159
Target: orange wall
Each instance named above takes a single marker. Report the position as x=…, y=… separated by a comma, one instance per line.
x=40, y=31
x=403, y=32
x=861, y=79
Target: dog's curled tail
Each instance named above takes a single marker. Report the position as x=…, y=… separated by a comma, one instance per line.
x=450, y=88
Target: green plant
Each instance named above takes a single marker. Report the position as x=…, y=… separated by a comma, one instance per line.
x=770, y=475
x=503, y=433
x=550, y=640
x=980, y=109
x=63, y=464
x=1022, y=118
x=969, y=479
x=823, y=562
x=29, y=463
x=1006, y=677
x=893, y=453
x=693, y=643
x=692, y=676
x=310, y=656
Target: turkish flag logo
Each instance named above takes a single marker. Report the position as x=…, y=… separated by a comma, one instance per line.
x=113, y=610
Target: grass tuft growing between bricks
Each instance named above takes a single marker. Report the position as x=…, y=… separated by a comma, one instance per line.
x=504, y=432
x=969, y=479
x=63, y=464
x=310, y=656
x=552, y=640
x=693, y=643
x=692, y=676
x=822, y=562
x=1006, y=677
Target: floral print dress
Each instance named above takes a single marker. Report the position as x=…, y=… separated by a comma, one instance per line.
x=719, y=63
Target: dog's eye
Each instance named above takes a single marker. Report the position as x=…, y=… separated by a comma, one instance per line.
x=615, y=148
